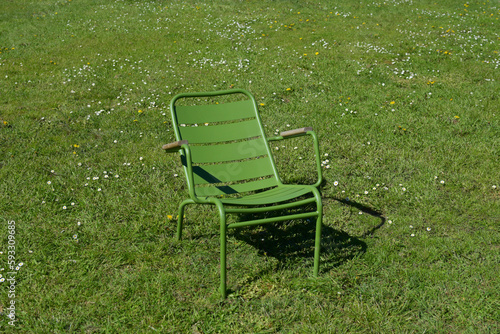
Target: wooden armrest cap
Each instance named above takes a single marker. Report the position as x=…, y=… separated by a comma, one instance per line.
x=295, y=131
x=175, y=144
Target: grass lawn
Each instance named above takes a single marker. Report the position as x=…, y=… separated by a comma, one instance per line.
x=404, y=96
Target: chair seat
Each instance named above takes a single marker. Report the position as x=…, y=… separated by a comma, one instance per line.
x=279, y=194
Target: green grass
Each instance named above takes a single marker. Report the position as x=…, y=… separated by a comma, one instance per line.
x=403, y=96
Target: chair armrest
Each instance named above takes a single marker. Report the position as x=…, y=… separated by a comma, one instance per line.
x=301, y=132
x=175, y=146
x=291, y=133
x=185, y=152
x=295, y=132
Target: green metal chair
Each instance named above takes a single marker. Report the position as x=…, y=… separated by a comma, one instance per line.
x=228, y=163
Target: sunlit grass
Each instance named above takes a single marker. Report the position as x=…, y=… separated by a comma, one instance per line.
x=403, y=96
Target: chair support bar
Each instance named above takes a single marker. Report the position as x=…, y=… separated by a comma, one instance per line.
x=274, y=219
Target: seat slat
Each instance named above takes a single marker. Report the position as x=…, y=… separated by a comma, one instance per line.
x=273, y=196
x=233, y=171
x=215, y=112
x=220, y=133
x=284, y=191
x=236, y=188
x=229, y=152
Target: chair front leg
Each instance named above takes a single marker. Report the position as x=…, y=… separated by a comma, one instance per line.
x=223, y=243
x=317, y=245
x=319, y=223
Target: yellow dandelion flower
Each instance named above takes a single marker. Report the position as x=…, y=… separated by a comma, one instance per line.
x=139, y=111
x=392, y=102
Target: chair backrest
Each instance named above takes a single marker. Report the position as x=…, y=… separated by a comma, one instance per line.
x=227, y=144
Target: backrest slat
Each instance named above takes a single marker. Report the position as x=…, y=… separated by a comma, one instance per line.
x=210, y=113
x=229, y=152
x=220, y=133
x=232, y=171
x=227, y=145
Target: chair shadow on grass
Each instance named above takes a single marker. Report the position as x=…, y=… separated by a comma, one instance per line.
x=292, y=242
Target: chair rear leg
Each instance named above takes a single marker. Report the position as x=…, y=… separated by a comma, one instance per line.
x=181, y=217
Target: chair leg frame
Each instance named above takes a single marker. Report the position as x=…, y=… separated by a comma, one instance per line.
x=317, y=241
x=223, y=237
x=180, y=218
x=223, y=251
